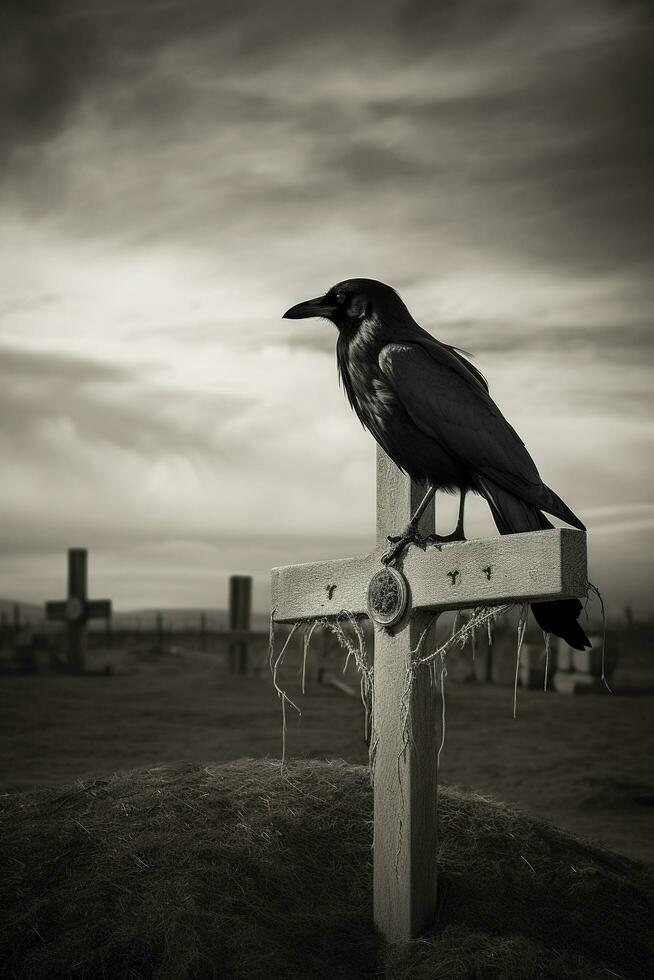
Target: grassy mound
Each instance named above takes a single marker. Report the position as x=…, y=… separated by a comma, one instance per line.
x=242, y=871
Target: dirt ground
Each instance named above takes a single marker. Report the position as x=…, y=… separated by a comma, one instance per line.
x=581, y=762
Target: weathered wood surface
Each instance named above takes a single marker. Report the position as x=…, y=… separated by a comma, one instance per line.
x=405, y=778
x=516, y=567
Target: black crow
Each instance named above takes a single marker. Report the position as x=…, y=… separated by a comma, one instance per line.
x=429, y=408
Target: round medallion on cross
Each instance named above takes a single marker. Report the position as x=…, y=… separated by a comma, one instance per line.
x=74, y=609
x=388, y=595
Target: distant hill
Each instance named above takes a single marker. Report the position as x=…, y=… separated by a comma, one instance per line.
x=31, y=612
x=184, y=618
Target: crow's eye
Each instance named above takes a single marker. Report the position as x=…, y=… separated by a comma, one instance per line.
x=340, y=298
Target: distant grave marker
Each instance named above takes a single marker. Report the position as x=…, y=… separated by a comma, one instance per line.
x=401, y=601
x=240, y=619
x=77, y=609
x=581, y=671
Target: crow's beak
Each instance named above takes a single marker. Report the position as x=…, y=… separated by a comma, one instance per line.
x=311, y=307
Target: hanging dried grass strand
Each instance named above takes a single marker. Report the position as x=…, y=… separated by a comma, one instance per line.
x=443, y=675
x=280, y=692
x=356, y=650
x=596, y=591
x=548, y=638
x=522, y=626
x=305, y=651
x=271, y=638
x=405, y=700
x=436, y=661
x=480, y=616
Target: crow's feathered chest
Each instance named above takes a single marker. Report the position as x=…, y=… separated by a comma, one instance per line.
x=367, y=389
x=381, y=411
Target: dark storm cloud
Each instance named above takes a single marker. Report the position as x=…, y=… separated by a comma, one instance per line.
x=520, y=126
x=453, y=23
x=564, y=146
x=53, y=53
x=176, y=174
x=43, y=392
x=43, y=67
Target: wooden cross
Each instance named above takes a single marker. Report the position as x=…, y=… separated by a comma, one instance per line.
x=514, y=568
x=77, y=609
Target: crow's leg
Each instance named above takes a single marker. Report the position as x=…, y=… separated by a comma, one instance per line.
x=410, y=534
x=457, y=534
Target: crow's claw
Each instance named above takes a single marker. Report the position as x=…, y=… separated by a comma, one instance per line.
x=410, y=535
x=456, y=535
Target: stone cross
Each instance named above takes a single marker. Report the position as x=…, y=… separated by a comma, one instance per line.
x=513, y=568
x=77, y=609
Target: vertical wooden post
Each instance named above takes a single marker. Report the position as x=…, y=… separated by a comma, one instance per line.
x=77, y=595
x=240, y=613
x=405, y=816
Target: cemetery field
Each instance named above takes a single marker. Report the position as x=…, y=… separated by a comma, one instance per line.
x=581, y=762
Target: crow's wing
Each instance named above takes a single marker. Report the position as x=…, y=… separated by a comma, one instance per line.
x=449, y=404
x=453, y=357
x=451, y=408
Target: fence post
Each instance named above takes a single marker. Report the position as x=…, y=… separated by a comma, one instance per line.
x=240, y=615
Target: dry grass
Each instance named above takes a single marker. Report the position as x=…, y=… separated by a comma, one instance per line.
x=239, y=870
x=583, y=763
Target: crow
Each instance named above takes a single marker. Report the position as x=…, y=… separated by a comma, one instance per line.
x=430, y=410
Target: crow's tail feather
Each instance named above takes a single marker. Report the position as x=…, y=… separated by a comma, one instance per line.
x=540, y=497
x=553, y=504
x=513, y=515
x=561, y=617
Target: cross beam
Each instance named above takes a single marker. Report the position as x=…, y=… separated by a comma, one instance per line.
x=463, y=574
x=77, y=609
x=519, y=567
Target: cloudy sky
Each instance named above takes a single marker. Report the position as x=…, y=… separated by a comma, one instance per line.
x=175, y=174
